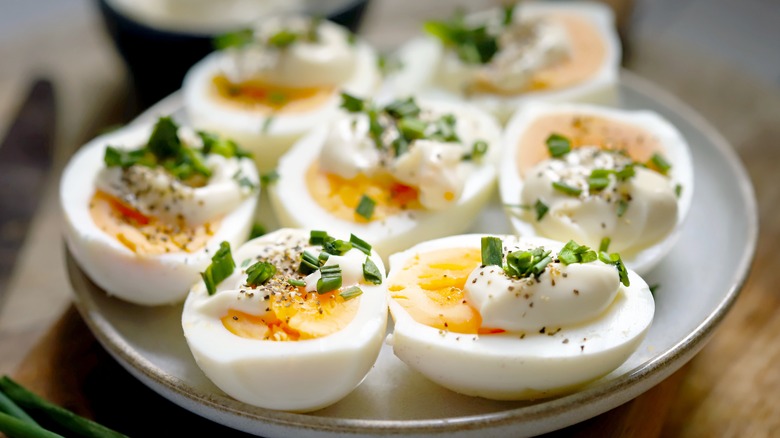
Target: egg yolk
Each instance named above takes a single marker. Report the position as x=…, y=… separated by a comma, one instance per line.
x=584, y=130
x=145, y=235
x=587, y=55
x=294, y=317
x=341, y=196
x=268, y=98
x=431, y=289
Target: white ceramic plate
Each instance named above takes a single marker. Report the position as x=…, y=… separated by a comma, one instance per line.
x=699, y=281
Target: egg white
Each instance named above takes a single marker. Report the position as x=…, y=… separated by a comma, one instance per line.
x=141, y=279
x=419, y=59
x=507, y=367
x=294, y=205
x=676, y=150
x=298, y=376
x=248, y=128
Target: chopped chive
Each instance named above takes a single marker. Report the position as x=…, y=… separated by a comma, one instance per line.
x=235, y=39
x=295, y=282
x=365, y=208
x=259, y=273
x=336, y=247
x=604, y=245
x=541, y=209
x=573, y=252
x=412, y=128
x=565, y=188
x=267, y=124
x=660, y=163
x=351, y=292
x=492, y=254
x=598, y=179
x=399, y=109
x=478, y=150
x=245, y=263
x=214, y=144
x=678, y=190
x=520, y=206
x=221, y=267
x=614, y=259
x=360, y=244
x=243, y=180
x=400, y=146
x=351, y=103
x=323, y=257
x=318, y=237
x=654, y=288
x=522, y=264
x=258, y=230
x=15, y=427
x=558, y=145
x=509, y=10
x=622, y=206
x=330, y=279
x=269, y=178
x=625, y=173
x=309, y=263
x=282, y=39
x=371, y=272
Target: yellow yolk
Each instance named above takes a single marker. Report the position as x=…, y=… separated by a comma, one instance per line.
x=295, y=316
x=146, y=235
x=268, y=98
x=431, y=288
x=604, y=133
x=341, y=196
x=588, y=52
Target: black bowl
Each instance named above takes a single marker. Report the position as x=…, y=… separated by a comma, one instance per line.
x=157, y=59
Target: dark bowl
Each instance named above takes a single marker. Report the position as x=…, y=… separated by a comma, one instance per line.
x=157, y=59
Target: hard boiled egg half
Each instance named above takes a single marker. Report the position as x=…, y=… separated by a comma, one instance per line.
x=622, y=179
x=146, y=206
x=511, y=318
x=397, y=173
x=502, y=58
x=271, y=84
x=293, y=321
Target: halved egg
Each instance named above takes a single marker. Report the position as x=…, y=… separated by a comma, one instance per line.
x=145, y=207
x=279, y=331
x=397, y=173
x=500, y=59
x=510, y=318
x=272, y=84
x=621, y=178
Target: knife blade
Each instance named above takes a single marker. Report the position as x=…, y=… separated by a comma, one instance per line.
x=25, y=161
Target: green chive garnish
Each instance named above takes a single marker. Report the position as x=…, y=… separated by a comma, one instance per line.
x=330, y=279
x=598, y=179
x=318, y=237
x=323, y=257
x=360, y=244
x=522, y=264
x=269, y=178
x=660, y=163
x=478, y=150
x=351, y=103
x=558, y=145
x=406, y=108
x=269, y=120
x=412, y=128
x=614, y=259
x=622, y=206
x=492, y=253
x=235, y=39
x=625, y=173
x=351, y=292
x=541, y=209
x=282, y=39
x=295, y=282
x=573, y=252
x=604, y=245
x=245, y=263
x=258, y=230
x=309, y=263
x=565, y=188
x=336, y=247
x=365, y=207
x=221, y=267
x=371, y=272
x=678, y=190
x=259, y=273
x=654, y=288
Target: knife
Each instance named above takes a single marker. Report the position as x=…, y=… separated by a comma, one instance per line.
x=25, y=161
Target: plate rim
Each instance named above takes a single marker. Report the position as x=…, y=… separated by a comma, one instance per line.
x=627, y=386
